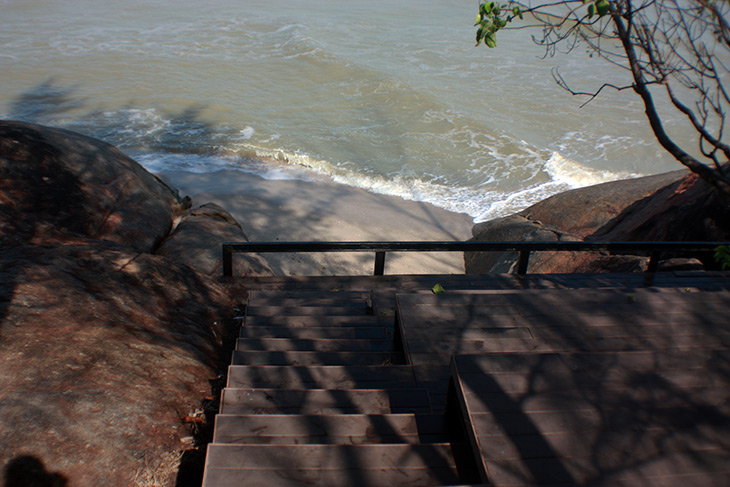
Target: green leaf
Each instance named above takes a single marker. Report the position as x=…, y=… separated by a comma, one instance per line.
x=480, y=34
x=490, y=40
x=438, y=289
x=591, y=10
x=602, y=7
x=722, y=256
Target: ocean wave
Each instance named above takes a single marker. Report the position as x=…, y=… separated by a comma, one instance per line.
x=483, y=202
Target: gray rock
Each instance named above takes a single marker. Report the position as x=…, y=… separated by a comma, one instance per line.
x=56, y=183
x=675, y=206
x=197, y=242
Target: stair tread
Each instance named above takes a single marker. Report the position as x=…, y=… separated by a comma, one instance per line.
x=344, y=477
x=297, y=321
x=314, y=358
x=326, y=457
x=274, y=310
x=314, y=345
x=331, y=376
x=329, y=429
x=324, y=401
x=360, y=303
x=354, y=428
x=256, y=295
x=313, y=333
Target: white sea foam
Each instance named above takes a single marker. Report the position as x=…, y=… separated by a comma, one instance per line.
x=576, y=175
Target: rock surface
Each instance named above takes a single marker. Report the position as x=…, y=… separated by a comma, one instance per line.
x=675, y=206
x=57, y=183
x=105, y=348
x=197, y=241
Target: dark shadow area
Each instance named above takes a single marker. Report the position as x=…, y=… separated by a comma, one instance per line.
x=29, y=471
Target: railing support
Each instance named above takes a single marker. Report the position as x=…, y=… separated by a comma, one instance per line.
x=653, y=262
x=379, y=263
x=227, y=260
x=522, y=263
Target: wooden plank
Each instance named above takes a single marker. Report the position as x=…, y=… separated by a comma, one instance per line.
x=574, y=400
x=328, y=429
x=646, y=443
x=713, y=467
x=636, y=328
x=315, y=358
x=619, y=295
x=330, y=457
x=439, y=352
x=323, y=377
x=362, y=477
x=306, y=311
x=313, y=333
x=473, y=332
x=314, y=345
x=642, y=360
x=590, y=381
x=319, y=401
x=310, y=321
x=257, y=296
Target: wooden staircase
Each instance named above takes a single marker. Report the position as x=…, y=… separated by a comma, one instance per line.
x=318, y=395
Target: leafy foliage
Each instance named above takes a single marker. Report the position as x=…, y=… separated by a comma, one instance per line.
x=679, y=46
x=722, y=256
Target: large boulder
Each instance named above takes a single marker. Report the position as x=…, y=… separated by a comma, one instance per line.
x=198, y=238
x=106, y=348
x=675, y=206
x=582, y=211
x=55, y=183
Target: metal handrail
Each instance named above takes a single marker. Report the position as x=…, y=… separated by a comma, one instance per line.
x=655, y=249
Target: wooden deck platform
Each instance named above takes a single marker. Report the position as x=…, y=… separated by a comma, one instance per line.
x=502, y=380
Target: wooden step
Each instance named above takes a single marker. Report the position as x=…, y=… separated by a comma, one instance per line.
x=359, y=310
x=330, y=457
x=318, y=345
x=321, y=376
x=315, y=358
x=330, y=429
x=314, y=333
x=259, y=295
x=321, y=401
x=360, y=304
x=346, y=429
x=342, y=477
x=295, y=321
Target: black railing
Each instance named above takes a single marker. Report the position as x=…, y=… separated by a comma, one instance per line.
x=653, y=249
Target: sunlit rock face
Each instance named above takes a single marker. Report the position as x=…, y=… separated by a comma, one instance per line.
x=675, y=206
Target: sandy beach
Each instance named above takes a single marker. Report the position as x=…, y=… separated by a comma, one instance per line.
x=321, y=210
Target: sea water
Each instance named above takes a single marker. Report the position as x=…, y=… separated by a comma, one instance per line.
x=392, y=97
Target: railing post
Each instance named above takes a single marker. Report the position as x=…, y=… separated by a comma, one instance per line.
x=522, y=263
x=227, y=261
x=379, y=263
x=654, y=262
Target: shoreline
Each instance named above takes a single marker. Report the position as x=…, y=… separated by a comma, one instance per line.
x=322, y=210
